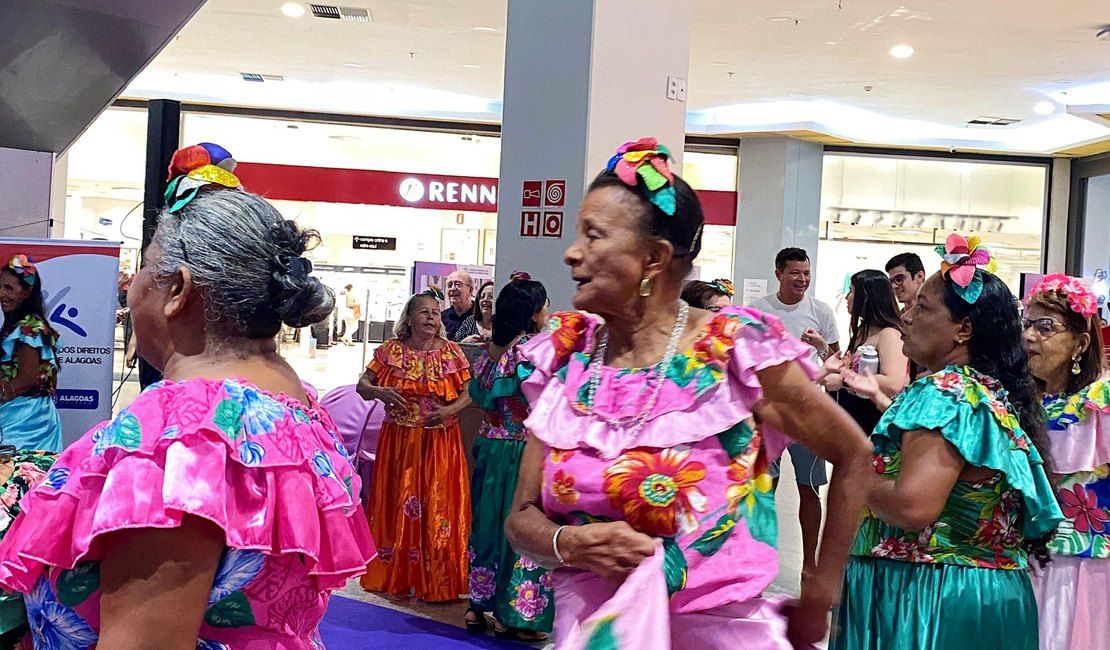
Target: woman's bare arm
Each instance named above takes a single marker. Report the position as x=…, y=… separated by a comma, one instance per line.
x=930, y=467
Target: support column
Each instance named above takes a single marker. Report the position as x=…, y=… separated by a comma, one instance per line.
x=26, y=192
x=778, y=205
x=1056, y=227
x=576, y=88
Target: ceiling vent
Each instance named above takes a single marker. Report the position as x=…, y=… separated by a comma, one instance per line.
x=992, y=121
x=259, y=78
x=349, y=14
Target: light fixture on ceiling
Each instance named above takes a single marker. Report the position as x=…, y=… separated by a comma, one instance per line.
x=1044, y=108
x=471, y=66
x=293, y=9
x=781, y=19
x=718, y=63
x=352, y=65
x=1063, y=81
x=1103, y=34
x=485, y=28
x=901, y=51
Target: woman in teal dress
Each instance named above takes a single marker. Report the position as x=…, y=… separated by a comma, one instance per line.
x=28, y=362
x=960, y=497
x=515, y=590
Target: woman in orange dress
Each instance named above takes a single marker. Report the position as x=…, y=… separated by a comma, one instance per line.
x=419, y=508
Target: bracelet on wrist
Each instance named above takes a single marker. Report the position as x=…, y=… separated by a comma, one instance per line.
x=555, y=546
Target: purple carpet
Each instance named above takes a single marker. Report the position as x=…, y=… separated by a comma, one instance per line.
x=351, y=624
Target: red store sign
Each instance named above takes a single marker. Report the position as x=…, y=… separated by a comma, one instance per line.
x=426, y=191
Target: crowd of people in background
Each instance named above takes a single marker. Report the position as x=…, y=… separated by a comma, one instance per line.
x=622, y=491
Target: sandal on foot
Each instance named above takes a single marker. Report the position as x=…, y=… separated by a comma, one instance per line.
x=519, y=634
x=478, y=625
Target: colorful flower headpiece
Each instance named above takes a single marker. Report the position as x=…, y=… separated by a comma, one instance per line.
x=962, y=257
x=432, y=291
x=724, y=286
x=519, y=275
x=196, y=167
x=1081, y=300
x=24, y=267
x=646, y=159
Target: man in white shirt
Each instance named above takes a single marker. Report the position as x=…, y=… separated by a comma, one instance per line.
x=813, y=322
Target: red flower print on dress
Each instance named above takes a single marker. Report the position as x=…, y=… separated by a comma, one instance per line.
x=561, y=455
x=1081, y=506
x=951, y=381
x=657, y=492
x=562, y=487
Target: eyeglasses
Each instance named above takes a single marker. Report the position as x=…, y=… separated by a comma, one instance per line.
x=900, y=278
x=456, y=284
x=1044, y=327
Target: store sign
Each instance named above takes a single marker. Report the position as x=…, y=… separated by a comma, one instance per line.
x=362, y=242
x=451, y=193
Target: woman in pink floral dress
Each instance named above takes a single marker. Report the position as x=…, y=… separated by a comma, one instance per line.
x=645, y=483
x=219, y=510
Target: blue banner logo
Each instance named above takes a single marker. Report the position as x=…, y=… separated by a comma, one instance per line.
x=85, y=400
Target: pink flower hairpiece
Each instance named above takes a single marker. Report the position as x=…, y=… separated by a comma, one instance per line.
x=25, y=268
x=646, y=160
x=961, y=259
x=519, y=275
x=1081, y=300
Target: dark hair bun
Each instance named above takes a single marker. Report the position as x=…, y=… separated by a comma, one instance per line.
x=299, y=298
x=517, y=305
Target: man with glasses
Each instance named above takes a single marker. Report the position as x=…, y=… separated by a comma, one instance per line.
x=460, y=296
x=907, y=274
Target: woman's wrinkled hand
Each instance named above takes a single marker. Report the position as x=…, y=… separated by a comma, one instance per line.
x=862, y=384
x=612, y=550
x=437, y=417
x=391, y=398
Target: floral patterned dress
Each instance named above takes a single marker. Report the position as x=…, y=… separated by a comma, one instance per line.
x=961, y=581
x=267, y=469
x=30, y=421
x=694, y=476
x=516, y=590
x=419, y=507
x=29, y=469
x=1072, y=590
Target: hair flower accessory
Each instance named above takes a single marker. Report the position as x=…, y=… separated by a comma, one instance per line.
x=193, y=168
x=1081, y=299
x=519, y=275
x=24, y=267
x=433, y=291
x=724, y=286
x=962, y=257
x=646, y=159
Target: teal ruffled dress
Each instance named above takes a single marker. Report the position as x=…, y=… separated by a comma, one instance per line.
x=960, y=582
x=517, y=591
x=30, y=421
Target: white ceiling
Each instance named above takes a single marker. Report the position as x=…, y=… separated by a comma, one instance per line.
x=747, y=74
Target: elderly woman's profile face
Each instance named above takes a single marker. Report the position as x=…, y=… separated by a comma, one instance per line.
x=929, y=332
x=608, y=257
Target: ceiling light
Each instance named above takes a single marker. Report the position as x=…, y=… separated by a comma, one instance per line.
x=485, y=28
x=1063, y=81
x=293, y=9
x=1044, y=108
x=352, y=65
x=718, y=63
x=780, y=19
x=901, y=51
x=471, y=66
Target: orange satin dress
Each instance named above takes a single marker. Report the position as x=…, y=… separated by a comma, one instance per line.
x=419, y=508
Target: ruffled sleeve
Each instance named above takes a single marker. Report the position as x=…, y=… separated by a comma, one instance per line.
x=493, y=381
x=710, y=387
x=443, y=372
x=34, y=332
x=984, y=430
x=1079, y=429
x=270, y=472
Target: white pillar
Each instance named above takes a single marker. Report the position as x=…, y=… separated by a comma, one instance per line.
x=27, y=192
x=778, y=205
x=1056, y=229
x=581, y=78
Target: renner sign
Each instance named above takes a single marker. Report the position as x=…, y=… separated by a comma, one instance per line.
x=413, y=190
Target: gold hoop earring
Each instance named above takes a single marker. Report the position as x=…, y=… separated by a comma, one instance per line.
x=1075, y=369
x=645, y=287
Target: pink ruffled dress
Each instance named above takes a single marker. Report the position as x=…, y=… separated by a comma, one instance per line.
x=271, y=472
x=1073, y=591
x=695, y=477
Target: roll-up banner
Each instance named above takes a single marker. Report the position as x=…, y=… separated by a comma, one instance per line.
x=79, y=285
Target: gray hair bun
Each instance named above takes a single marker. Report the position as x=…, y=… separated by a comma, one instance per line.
x=248, y=260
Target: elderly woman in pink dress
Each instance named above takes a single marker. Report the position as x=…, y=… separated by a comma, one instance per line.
x=645, y=483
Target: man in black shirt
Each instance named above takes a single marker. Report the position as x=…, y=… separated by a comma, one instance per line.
x=460, y=295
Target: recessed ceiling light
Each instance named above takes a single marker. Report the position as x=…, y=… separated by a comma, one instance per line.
x=293, y=9
x=352, y=65
x=718, y=63
x=1044, y=108
x=901, y=51
x=485, y=28
x=1063, y=81
x=471, y=66
x=831, y=43
x=780, y=19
